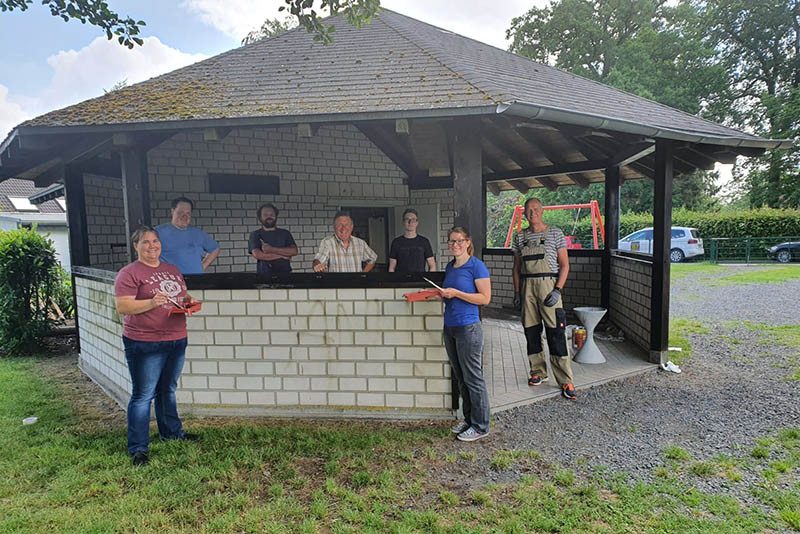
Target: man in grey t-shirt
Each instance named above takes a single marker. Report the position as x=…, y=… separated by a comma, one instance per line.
x=541, y=267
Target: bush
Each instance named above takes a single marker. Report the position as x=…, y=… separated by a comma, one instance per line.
x=28, y=279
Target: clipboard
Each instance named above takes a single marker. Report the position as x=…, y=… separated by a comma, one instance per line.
x=423, y=294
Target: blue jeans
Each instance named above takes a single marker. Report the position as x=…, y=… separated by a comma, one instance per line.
x=464, y=345
x=154, y=367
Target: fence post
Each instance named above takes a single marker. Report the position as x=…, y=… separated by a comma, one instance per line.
x=747, y=250
x=713, y=255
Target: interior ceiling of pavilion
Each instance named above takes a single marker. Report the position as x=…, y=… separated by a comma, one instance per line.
x=409, y=87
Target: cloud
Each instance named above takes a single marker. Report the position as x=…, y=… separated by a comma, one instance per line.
x=82, y=74
x=11, y=113
x=236, y=18
x=85, y=73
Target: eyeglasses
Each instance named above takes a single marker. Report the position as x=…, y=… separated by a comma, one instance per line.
x=457, y=241
x=411, y=220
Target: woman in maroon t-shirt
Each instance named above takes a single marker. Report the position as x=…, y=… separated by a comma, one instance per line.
x=155, y=341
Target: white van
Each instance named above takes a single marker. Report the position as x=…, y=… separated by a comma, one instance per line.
x=685, y=243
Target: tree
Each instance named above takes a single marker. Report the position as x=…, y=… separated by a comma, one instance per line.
x=356, y=12
x=269, y=28
x=758, y=43
x=639, y=46
x=95, y=12
x=584, y=36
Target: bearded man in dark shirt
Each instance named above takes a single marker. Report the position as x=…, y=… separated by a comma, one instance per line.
x=271, y=246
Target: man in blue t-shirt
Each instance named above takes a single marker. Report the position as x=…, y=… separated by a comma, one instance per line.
x=188, y=247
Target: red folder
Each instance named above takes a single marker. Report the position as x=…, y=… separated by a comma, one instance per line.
x=423, y=294
x=189, y=309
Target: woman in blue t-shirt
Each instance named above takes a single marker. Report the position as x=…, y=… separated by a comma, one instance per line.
x=466, y=286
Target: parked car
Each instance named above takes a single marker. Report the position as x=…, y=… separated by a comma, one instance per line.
x=785, y=252
x=685, y=243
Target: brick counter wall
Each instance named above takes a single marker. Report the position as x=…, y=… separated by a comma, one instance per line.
x=631, y=282
x=321, y=352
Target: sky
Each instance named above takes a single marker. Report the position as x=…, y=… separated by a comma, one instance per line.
x=48, y=64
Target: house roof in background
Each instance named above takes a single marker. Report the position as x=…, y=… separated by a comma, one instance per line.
x=14, y=187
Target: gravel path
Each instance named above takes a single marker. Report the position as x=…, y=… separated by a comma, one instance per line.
x=729, y=393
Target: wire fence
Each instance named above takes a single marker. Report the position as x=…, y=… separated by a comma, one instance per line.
x=742, y=249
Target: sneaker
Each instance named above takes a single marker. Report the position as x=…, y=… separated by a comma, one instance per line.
x=471, y=434
x=568, y=391
x=140, y=458
x=535, y=380
x=459, y=428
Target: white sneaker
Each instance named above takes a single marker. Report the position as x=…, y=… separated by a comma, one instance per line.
x=471, y=434
x=459, y=428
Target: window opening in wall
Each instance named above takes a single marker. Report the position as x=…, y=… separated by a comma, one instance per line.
x=371, y=225
x=250, y=184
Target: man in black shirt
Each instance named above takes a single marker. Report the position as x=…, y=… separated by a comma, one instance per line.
x=410, y=252
x=273, y=247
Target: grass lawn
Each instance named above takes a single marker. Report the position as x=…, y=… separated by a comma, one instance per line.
x=69, y=474
x=694, y=269
x=755, y=274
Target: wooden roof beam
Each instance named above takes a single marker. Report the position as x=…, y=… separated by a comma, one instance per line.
x=552, y=154
x=632, y=153
x=493, y=188
x=547, y=170
x=519, y=185
x=580, y=180
x=692, y=158
x=547, y=183
x=390, y=147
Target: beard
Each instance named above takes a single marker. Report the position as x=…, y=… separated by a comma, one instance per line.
x=269, y=223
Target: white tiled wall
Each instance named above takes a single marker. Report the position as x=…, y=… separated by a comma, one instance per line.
x=367, y=351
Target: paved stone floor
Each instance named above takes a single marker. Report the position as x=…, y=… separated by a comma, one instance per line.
x=506, y=368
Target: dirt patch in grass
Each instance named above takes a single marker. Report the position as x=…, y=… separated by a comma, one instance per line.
x=58, y=364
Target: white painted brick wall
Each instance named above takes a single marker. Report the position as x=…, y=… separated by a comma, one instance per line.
x=318, y=174
x=399, y=369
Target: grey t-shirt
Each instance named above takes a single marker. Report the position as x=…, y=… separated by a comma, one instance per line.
x=553, y=240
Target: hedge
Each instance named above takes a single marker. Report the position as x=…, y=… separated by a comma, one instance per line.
x=763, y=222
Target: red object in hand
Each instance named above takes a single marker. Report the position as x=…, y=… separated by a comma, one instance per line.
x=188, y=309
x=422, y=295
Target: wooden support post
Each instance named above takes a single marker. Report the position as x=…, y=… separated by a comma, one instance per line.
x=78, y=233
x=469, y=192
x=135, y=193
x=612, y=232
x=662, y=236
x=76, y=216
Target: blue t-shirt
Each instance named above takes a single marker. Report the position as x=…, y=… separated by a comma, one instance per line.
x=184, y=248
x=459, y=312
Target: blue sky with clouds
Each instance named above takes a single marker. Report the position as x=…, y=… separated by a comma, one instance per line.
x=48, y=64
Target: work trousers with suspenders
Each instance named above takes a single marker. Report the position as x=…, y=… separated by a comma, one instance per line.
x=537, y=282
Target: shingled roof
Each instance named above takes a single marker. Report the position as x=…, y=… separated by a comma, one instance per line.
x=393, y=66
x=24, y=189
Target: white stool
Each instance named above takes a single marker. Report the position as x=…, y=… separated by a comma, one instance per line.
x=589, y=316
